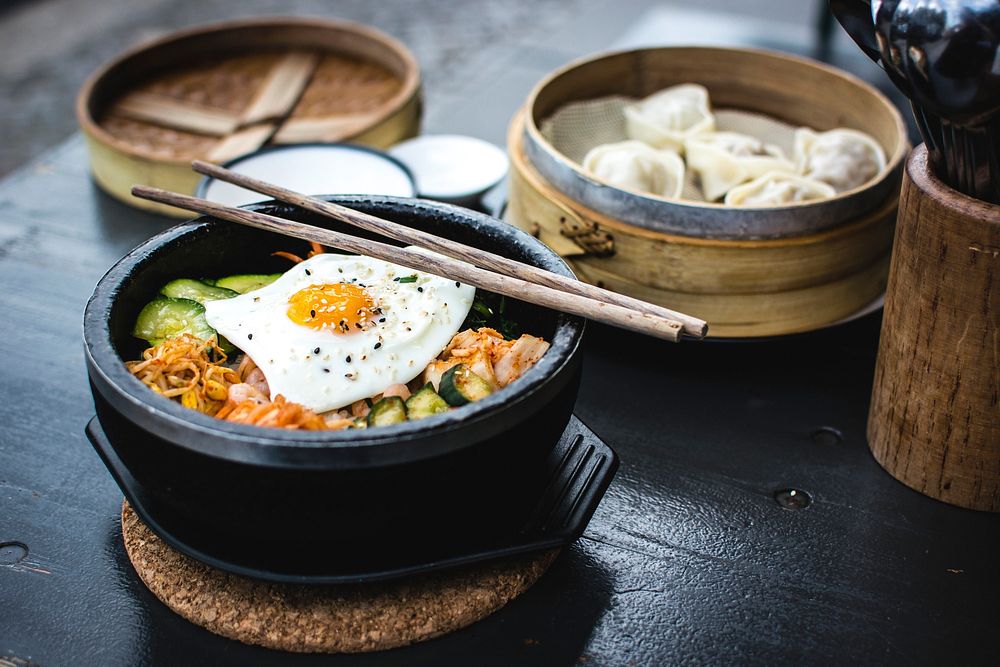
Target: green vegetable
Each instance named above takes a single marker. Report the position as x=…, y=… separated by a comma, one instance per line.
x=425, y=403
x=388, y=410
x=488, y=311
x=406, y=279
x=164, y=318
x=459, y=386
x=167, y=317
x=195, y=290
x=247, y=282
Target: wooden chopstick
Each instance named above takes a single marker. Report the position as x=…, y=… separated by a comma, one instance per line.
x=692, y=326
x=515, y=288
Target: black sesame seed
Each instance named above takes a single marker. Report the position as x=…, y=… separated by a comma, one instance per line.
x=420, y=289
x=378, y=345
x=316, y=351
x=308, y=272
x=326, y=370
x=381, y=319
x=348, y=360
x=249, y=336
x=458, y=284
x=312, y=313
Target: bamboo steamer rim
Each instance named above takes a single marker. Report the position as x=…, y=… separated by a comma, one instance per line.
x=893, y=162
x=524, y=167
x=409, y=88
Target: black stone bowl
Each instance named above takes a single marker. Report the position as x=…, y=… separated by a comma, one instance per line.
x=383, y=489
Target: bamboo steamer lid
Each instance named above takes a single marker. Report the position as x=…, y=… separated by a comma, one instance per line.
x=224, y=90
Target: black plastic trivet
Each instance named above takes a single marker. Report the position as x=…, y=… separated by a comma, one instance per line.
x=581, y=467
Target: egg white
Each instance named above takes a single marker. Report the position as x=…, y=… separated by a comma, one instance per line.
x=421, y=318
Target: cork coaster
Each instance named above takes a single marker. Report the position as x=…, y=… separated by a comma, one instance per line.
x=325, y=619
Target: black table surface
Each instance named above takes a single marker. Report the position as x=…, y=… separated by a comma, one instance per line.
x=691, y=558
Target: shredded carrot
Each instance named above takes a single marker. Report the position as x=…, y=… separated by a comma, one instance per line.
x=287, y=255
x=278, y=414
x=317, y=249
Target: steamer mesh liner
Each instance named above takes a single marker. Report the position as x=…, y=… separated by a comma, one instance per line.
x=577, y=127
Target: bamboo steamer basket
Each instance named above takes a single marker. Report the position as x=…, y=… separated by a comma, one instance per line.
x=749, y=286
x=219, y=91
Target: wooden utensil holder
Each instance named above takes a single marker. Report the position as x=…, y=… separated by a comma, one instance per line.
x=934, y=422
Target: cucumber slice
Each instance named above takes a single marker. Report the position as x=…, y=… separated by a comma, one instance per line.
x=166, y=317
x=186, y=288
x=459, y=386
x=389, y=410
x=425, y=403
x=224, y=343
x=248, y=282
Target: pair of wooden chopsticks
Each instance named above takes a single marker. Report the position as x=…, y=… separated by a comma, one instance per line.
x=454, y=260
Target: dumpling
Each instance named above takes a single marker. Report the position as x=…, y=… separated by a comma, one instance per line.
x=723, y=160
x=635, y=166
x=666, y=118
x=776, y=188
x=843, y=158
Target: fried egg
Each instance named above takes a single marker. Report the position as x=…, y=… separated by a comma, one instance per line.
x=339, y=328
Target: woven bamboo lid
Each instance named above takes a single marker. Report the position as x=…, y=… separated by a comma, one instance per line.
x=221, y=91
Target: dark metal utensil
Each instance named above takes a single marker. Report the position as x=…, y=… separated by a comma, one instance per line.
x=944, y=56
x=855, y=16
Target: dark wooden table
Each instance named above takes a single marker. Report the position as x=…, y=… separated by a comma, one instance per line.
x=695, y=555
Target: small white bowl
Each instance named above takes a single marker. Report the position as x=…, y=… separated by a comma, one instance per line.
x=452, y=168
x=314, y=169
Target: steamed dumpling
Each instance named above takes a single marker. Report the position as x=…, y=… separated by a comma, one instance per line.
x=843, y=158
x=635, y=166
x=776, y=188
x=723, y=160
x=666, y=118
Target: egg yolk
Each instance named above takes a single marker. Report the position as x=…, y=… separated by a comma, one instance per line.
x=339, y=307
